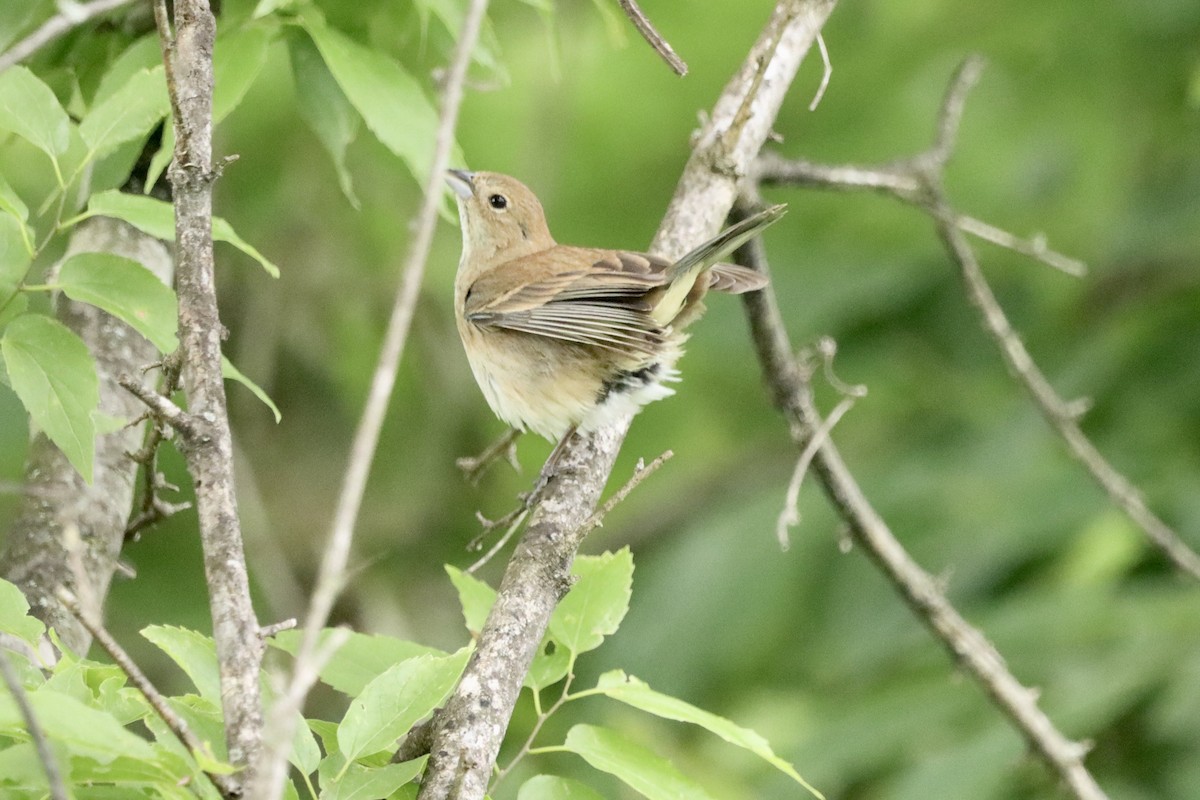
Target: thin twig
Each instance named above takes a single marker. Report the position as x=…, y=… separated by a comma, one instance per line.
x=640, y=473
x=161, y=407
x=792, y=393
x=505, y=447
x=917, y=181
x=70, y=15
x=331, y=576
x=513, y=526
x=58, y=790
x=653, y=37
x=789, y=517
x=154, y=509
x=826, y=74
x=226, y=784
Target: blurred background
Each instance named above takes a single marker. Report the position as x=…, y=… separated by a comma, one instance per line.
x=1085, y=126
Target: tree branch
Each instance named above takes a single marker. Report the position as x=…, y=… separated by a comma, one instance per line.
x=36, y=555
x=70, y=15
x=209, y=452
x=653, y=37
x=226, y=785
x=469, y=728
x=918, y=182
x=792, y=393
x=58, y=790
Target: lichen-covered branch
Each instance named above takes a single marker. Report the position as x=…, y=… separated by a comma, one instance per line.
x=68, y=533
x=208, y=448
x=918, y=181
x=470, y=727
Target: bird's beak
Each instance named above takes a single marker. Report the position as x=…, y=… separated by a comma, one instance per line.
x=461, y=182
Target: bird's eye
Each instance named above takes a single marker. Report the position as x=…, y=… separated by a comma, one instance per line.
x=498, y=202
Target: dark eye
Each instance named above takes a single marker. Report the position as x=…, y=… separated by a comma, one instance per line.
x=498, y=202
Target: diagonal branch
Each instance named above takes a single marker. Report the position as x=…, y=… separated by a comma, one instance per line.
x=918, y=182
x=792, y=393
x=653, y=37
x=45, y=753
x=470, y=727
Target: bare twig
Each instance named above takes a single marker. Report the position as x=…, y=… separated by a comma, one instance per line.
x=226, y=784
x=789, y=517
x=918, y=181
x=505, y=447
x=640, y=473
x=792, y=393
x=477, y=542
x=469, y=728
x=70, y=15
x=826, y=74
x=331, y=576
x=653, y=37
x=153, y=508
x=208, y=445
x=58, y=790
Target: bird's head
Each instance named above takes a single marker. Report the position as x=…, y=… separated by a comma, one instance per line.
x=501, y=217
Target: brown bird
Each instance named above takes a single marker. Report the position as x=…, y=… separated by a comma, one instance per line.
x=568, y=338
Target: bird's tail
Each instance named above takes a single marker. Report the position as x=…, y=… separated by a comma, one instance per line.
x=682, y=275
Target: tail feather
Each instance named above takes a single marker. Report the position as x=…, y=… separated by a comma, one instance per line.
x=682, y=275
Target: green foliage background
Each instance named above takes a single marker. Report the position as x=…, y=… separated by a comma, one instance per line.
x=1086, y=126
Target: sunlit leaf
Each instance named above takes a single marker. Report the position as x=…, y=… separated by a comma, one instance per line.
x=475, y=597
x=361, y=659
x=195, y=654
x=360, y=782
x=238, y=58
x=82, y=730
x=29, y=109
x=125, y=289
x=323, y=105
x=129, y=114
x=52, y=372
x=14, y=615
x=647, y=773
x=391, y=101
x=596, y=603
x=157, y=218
x=631, y=691
x=392, y=703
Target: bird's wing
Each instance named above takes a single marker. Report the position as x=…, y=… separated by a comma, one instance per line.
x=603, y=303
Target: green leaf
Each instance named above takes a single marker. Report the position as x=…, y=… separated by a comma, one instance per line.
x=238, y=58
x=631, y=691
x=52, y=372
x=162, y=158
x=360, y=660
x=29, y=109
x=230, y=372
x=129, y=114
x=647, y=773
x=475, y=597
x=552, y=787
x=157, y=218
x=360, y=782
x=14, y=257
x=82, y=730
x=11, y=203
x=550, y=665
x=390, y=100
x=596, y=603
x=125, y=289
x=323, y=105
x=305, y=755
x=144, y=54
x=195, y=654
x=392, y=703
x=14, y=615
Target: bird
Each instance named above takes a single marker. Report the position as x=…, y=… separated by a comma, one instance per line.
x=563, y=339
